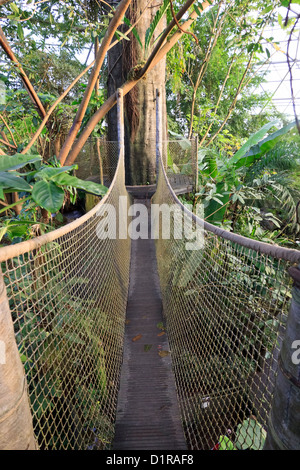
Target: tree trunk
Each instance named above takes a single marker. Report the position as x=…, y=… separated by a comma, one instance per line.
x=16, y=431
x=140, y=106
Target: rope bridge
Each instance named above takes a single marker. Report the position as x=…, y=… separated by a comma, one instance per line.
x=63, y=306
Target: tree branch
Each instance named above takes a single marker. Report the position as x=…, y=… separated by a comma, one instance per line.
x=178, y=24
x=211, y=46
x=69, y=88
x=115, y=22
x=157, y=54
x=52, y=107
x=8, y=144
x=9, y=130
x=33, y=96
x=218, y=101
x=241, y=86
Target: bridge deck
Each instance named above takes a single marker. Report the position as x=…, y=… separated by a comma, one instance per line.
x=147, y=414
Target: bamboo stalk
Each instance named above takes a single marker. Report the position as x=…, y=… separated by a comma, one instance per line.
x=9, y=129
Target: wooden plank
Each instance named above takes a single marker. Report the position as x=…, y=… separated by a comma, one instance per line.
x=147, y=414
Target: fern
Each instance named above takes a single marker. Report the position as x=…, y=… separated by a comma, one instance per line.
x=159, y=14
x=134, y=31
x=283, y=158
x=286, y=204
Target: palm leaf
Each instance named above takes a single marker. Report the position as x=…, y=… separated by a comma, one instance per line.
x=253, y=140
x=134, y=31
x=286, y=203
x=264, y=146
x=159, y=14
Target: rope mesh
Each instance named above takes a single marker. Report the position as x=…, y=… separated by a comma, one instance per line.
x=225, y=308
x=181, y=157
x=181, y=162
x=98, y=157
x=68, y=301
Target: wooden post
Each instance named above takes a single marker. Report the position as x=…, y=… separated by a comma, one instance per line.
x=16, y=430
x=284, y=420
x=120, y=117
x=158, y=133
x=196, y=164
x=100, y=160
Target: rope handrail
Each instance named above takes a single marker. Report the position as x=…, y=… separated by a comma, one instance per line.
x=225, y=308
x=65, y=304
x=226, y=304
x=10, y=251
x=276, y=251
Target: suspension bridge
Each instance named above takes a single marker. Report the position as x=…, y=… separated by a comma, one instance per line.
x=113, y=343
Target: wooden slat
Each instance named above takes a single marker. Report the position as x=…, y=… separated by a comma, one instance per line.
x=147, y=415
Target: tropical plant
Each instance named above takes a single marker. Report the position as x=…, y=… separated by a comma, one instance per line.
x=250, y=435
x=223, y=180
x=56, y=337
x=214, y=82
x=43, y=186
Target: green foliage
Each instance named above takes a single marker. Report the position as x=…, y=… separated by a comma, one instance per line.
x=240, y=24
x=48, y=195
x=226, y=444
x=17, y=161
x=255, y=148
x=158, y=16
x=44, y=186
x=222, y=180
x=63, y=358
x=72, y=23
x=250, y=435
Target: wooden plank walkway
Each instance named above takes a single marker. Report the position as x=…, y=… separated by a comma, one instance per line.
x=147, y=414
x=182, y=184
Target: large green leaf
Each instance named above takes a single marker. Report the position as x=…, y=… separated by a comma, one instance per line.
x=64, y=179
x=8, y=163
x=16, y=230
x=49, y=172
x=214, y=212
x=250, y=435
x=211, y=167
x=13, y=182
x=264, y=146
x=48, y=195
x=253, y=140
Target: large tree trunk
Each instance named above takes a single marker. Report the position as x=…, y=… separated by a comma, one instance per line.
x=140, y=107
x=16, y=429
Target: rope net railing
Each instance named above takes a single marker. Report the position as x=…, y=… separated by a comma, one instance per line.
x=98, y=158
x=225, y=308
x=181, y=157
x=181, y=163
x=67, y=293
